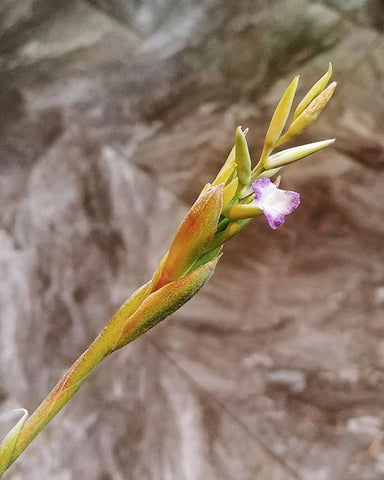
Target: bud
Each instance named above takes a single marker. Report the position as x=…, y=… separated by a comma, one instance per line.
x=313, y=92
x=309, y=115
x=279, y=119
x=163, y=302
x=195, y=232
x=281, y=114
x=293, y=154
x=242, y=158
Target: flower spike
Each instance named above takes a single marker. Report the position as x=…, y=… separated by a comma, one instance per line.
x=222, y=210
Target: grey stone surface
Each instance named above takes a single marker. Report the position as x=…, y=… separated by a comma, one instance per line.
x=113, y=115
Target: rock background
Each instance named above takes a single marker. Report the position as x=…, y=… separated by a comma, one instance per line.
x=113, y=115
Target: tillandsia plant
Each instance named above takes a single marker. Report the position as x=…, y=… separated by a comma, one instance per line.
x=224, y=207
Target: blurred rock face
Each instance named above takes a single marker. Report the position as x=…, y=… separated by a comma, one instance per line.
x=113, y=115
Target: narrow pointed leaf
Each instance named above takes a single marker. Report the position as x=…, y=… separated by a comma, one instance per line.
x=7, y=447
x=164, y=302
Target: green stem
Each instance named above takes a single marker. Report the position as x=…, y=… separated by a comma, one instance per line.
x=102, y=346
x=60, y=395
x=144, y=309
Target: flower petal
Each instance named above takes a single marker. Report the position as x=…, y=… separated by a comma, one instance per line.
x=274, y=202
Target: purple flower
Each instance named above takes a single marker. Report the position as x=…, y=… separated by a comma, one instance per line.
x=274, y=203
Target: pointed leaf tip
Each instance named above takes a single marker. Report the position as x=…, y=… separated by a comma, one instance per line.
x=7, y=446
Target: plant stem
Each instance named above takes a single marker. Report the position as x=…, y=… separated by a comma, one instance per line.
x=61, y=394
x=144, y=309
x=103, y=345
